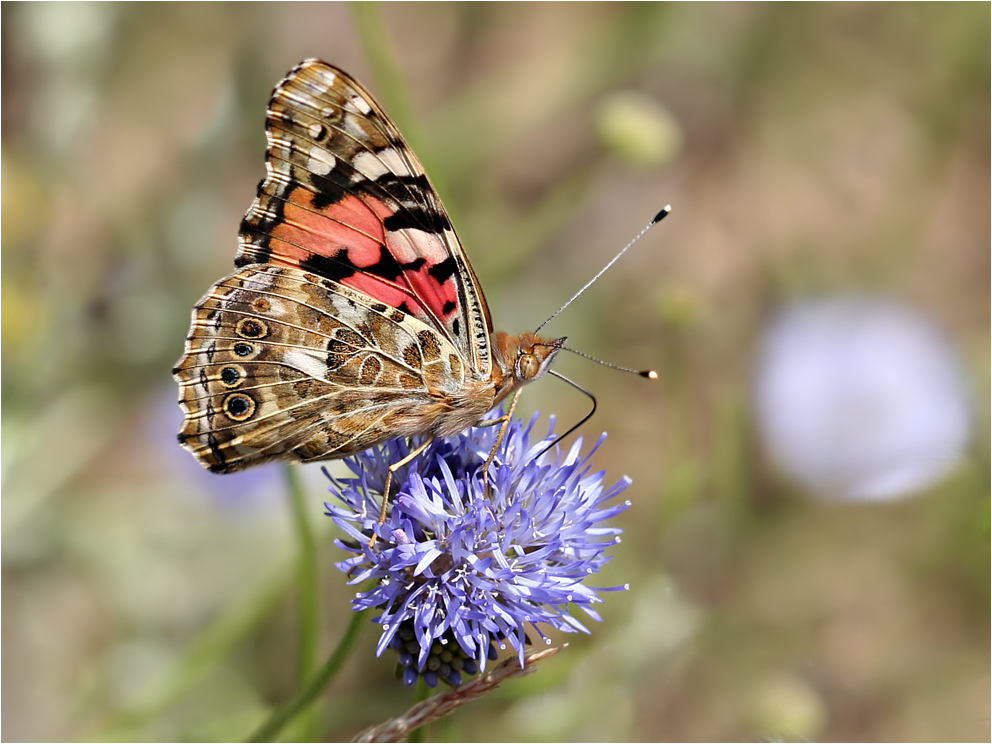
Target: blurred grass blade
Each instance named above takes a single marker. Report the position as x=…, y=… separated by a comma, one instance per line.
x=307, y=596
x=390, y=90
x=269, y=730
x=212, y=646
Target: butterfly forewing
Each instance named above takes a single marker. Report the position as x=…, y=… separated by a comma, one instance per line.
x=345, y=198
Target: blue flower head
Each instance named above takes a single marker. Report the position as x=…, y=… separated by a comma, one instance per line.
x=457, y=570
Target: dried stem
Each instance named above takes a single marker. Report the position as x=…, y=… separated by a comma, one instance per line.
x=439, y=706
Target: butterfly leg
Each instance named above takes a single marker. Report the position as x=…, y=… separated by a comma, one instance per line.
x=504, y=423
x=389, y=481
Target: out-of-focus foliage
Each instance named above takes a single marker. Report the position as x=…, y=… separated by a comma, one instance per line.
x=808, y=150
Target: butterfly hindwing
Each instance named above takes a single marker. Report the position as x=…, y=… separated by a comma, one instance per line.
x=346, y=199
x=282, y=363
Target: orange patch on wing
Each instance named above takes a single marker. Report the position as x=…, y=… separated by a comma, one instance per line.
x=354, y=226
x=347, y=225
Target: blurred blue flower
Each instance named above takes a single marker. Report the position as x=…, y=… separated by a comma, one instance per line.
x=235, y=494
x=457, y=571
x=859, y=398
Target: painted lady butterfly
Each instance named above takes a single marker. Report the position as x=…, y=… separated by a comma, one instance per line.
x=354, y=315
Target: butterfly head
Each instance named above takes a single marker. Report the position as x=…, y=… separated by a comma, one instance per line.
x=525, y=357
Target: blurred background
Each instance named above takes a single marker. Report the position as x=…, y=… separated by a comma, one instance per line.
x=808, y=547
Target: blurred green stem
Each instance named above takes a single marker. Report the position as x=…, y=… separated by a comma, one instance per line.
x=389, y=86
x=203, y=654
x=423, y=692
x=385, y=72
x=307, y=591
x=271, y=728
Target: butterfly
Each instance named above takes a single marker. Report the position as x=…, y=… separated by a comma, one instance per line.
x=353, y=315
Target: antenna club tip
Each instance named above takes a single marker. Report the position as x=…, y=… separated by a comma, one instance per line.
x=662, y=214
x=649, y=373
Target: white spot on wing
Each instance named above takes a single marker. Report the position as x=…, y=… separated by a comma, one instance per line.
x=394, y=159
x=353, y=315
x=373, y=165
x=361, y=104
x=369, y=166
x=327, y=76
x=321, y=161
x=353, y=128
x=307, y=362
x=259, y=282
x=410, y=244
x=301, y=99
x=318, y=88
x=315, y=130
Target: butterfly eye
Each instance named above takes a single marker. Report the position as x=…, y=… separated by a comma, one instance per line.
x=528, y=367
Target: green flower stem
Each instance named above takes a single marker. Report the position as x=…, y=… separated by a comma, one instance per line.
x=419, y=735
x=271, y=728
x=307, y=591
x=390, y=89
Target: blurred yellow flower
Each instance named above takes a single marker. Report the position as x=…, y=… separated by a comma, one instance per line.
x=638, y=129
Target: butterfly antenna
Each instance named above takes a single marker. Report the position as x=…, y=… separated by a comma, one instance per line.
x=585, y=418
x=657, y=218
x=648, y=373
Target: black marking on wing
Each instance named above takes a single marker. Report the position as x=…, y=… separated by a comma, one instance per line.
x=443, y=271
x=330, y=189
x=256, y=227
x=339, y=266
x=220, y=466
x=386, y=267
x=421, y=213
x=335, y=268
